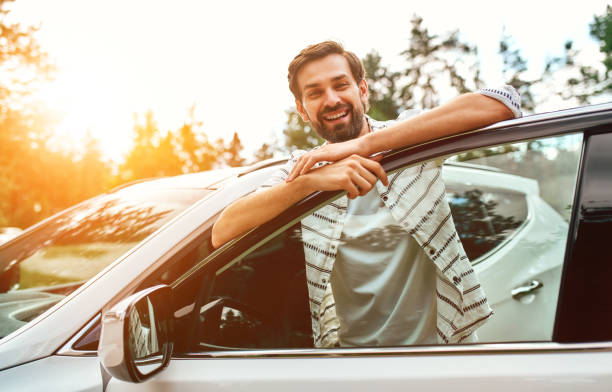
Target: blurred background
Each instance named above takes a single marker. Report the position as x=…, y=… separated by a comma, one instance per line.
x=97, y=94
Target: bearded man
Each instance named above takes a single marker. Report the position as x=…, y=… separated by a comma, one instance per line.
x=431, y=293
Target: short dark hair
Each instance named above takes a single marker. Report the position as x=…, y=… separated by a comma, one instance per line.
x=318, y=51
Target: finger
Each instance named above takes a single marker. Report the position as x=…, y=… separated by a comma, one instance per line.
x=353, y=194
x=295, y=170
x=362, y=184
x=310, y=162
x=375, y=167
x=351, y=188
x=367, y=175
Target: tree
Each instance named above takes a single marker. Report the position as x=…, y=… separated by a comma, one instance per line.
x=152, y=155
x=383, y=88
x=431, y=62
x=299, y=135
x=195, y=150
x=597, y=81
x=514, y=73
x=581, y=81
x=434, y=62
x=187, y=150
x=265, y=151
x=25, y=159
x=94, y=174
x=601, y=30
x=230, y=154
x=22, y=62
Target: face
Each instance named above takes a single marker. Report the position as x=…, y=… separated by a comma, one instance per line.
x=332, y=100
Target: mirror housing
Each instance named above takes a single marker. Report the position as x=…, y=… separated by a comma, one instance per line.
x=135, y=339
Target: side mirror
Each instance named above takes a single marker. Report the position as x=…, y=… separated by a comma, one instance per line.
x=134, y=342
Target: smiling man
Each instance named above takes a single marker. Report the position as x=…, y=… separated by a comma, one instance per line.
x=331, y=103
x=421, y=288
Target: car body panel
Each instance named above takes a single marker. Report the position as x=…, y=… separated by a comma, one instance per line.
x=535, y=254
x=499, y=372
x=7, y=233
x=54, y=373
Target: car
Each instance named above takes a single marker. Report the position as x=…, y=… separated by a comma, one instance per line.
x=129, y=280
x=6, y=233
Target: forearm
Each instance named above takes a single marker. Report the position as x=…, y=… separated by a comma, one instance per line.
x=464, y=113
x=256, y=209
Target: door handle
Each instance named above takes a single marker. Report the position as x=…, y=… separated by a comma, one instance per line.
x=525, y=289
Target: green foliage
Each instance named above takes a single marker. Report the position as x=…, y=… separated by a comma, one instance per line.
x=36, y=180
x=601, y=30
x=230, y=154
x=152, y=154
x=585, y=81
x=265, y=151
x=431, y=62
x=383, y=88
x=434, y=62
x=23, y=64
x=298, y=134
x=514, y=70
x=187, y=150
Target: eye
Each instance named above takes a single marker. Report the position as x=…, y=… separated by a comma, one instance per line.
x=313, y=93
x=342, y=86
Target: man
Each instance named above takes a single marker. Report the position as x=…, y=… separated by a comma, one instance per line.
x=422, y=289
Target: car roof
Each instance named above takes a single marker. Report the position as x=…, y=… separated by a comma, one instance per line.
x=554, y=115
x=209, y=179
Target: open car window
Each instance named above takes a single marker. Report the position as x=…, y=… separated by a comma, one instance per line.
x=510, y=206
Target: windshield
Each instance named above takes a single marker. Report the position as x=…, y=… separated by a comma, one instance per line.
x=41, y=267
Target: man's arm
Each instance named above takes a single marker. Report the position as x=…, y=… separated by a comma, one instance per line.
x=256, y=208
x=355, y=174
x=464, y=113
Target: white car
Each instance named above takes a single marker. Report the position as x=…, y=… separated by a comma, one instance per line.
x=6, y=233
x=128, y=280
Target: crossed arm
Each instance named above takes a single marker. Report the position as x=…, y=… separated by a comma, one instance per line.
x=352, y=171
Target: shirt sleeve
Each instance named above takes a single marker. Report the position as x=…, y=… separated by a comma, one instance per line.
x=507, y=95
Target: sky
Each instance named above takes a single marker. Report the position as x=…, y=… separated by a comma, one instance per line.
x=228, y=60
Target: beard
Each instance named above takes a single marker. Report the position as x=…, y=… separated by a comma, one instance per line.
x=339, y=132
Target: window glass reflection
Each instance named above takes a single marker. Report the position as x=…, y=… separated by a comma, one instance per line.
x=49, y=263
x=484, y=217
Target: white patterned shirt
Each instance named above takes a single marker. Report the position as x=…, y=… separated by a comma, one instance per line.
x=416, y=197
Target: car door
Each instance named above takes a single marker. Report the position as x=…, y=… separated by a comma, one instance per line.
x=242, y=313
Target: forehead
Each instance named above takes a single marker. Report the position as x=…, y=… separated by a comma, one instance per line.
x=323, y=70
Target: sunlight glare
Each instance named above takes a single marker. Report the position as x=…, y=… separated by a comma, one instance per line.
x=84, y=103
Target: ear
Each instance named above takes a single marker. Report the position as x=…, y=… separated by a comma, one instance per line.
x=301, y=111
x=363, y=92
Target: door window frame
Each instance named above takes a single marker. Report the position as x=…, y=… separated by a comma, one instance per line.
x=257, y=237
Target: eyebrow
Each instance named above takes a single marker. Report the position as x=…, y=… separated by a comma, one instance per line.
x=334, y=79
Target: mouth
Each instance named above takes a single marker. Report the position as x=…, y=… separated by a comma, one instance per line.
x=336, y=115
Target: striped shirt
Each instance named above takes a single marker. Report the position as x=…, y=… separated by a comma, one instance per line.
x=416, y=198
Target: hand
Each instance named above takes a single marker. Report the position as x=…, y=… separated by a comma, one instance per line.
x=355, y=174
x=331, y=152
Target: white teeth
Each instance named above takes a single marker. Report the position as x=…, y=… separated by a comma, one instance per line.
x=336, y=116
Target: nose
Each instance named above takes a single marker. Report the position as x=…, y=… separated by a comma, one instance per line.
x=332, y=99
